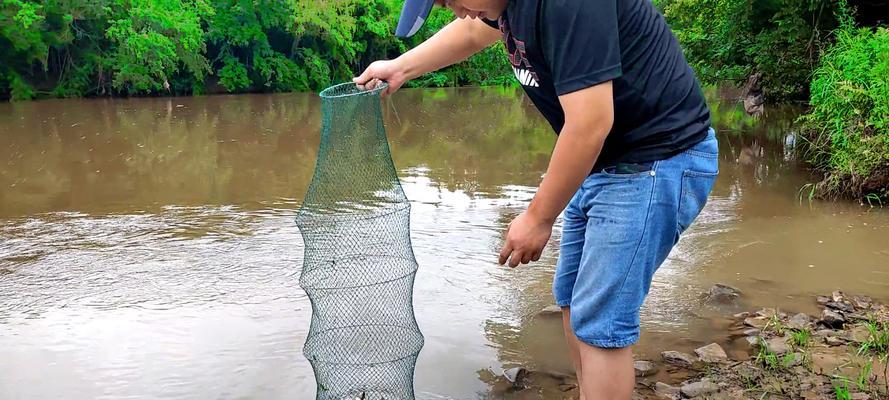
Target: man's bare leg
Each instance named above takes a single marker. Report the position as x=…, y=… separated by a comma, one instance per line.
x=607, y=374
x=573, y=348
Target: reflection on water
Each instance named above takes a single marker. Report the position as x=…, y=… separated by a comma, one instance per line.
x=148, y=250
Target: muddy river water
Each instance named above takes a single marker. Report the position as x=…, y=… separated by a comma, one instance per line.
x=148, y=248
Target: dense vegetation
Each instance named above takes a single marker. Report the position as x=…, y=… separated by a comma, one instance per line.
x=848, y=123
x=732, y=40
x=73, y=48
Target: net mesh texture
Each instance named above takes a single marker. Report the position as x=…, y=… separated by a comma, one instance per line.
x=359, y=266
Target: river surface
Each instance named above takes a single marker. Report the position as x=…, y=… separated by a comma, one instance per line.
x=148, y=248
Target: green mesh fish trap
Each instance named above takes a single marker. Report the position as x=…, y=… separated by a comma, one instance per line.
x=358, y=267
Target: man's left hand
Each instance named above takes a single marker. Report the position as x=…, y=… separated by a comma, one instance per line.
x=526, y=237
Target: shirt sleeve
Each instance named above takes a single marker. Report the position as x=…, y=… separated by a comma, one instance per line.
x=580, y=42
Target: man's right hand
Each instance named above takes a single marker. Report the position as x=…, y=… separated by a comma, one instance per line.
x=390, y=71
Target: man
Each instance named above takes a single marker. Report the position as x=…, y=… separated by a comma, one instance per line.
x=634, y=161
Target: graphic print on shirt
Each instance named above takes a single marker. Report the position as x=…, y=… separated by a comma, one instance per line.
x=515, y=49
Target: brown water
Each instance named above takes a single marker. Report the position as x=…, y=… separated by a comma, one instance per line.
x=148, y=250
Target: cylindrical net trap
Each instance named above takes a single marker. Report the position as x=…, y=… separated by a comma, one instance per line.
x=359, y=267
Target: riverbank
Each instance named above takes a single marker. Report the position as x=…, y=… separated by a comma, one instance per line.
x=840, y=354
x=846, y=129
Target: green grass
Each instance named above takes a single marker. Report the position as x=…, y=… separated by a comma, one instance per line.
x=877, y=341
x=847, y=127
x=772, y=361
x=800, y=338
x=775, y=325
x=842, y=392
x=872, y=198
x=863, y=380
x=809, y=191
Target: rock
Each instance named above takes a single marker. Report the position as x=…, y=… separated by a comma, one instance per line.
x=754, y=104
x=837, y=296
x=743, y=314
x=825, y=332
x=711, y=353
x=799, y=321
x=752, y=340
x=862, y=302
x=826, y=360
x=860, y=396
x=751, y=332
x=723, y=294
x=551, y=310
x=756, y=322
x=840, y=305
x=855, y=316
x=822, y=300
x=777, y=345
x=644, y=368
x=767, y=312
x=666, y=391
x=637, y=396
x=832, y=318
x=754, y=98
x=516, y=376
x=859, y=334
x=834, y=341
x=701, y=388
x=678, y=358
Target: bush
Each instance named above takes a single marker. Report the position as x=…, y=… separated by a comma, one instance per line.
x=848, y=125
x=100, y=47
x=727, y=41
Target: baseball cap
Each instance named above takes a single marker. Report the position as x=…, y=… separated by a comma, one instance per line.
x=413, y=15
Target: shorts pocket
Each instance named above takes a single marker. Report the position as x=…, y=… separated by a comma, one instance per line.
x=696, y=187
x=643, y=171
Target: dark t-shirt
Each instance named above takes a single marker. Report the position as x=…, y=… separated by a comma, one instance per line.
x=560, y=46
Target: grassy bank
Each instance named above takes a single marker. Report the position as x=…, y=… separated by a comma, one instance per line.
x=832, y=53
x=847, y=127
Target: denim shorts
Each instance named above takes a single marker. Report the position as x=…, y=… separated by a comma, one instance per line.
x=617, y=230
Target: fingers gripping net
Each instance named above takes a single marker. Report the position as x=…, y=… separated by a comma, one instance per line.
x=359, y=267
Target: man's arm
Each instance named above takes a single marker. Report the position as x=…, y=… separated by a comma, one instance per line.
x=450, y=45
x=454, y=43
x=589, y=114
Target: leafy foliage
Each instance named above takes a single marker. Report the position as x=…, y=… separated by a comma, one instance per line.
x=848, y=124
x=730, y=40
x=71, y=48
x=154, y=40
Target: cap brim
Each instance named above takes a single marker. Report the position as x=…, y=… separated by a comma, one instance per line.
x=413, y=15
